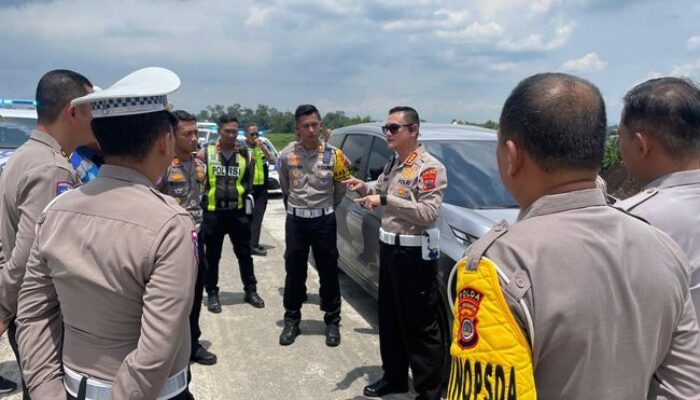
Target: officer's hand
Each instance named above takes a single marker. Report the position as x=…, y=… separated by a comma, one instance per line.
x=355, y=185
x=369, y=202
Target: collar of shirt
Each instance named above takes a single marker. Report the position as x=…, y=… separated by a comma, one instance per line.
x=411, y=158
x=679, y=178
x=124, y=174
x=48, y=140
x=556, y=203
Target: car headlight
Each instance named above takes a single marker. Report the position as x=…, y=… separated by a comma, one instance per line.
x=465, y=238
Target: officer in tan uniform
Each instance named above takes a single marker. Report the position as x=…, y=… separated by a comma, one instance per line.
x=576, y=300
x=184, y=180
x=409, y=190
x=660, y=146
x=261, y=158
x=103, y=315
x=311, y=175
x=36, y=173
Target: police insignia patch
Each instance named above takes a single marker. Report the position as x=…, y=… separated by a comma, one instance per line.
x=469, y=302
x=428, y=179
x=411, y=158
x=62, y=187
x=176, y=177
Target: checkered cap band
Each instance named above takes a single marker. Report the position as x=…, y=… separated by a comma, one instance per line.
x=128, y=106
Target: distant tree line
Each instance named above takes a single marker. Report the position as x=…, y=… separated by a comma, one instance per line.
x=272, y=120
x=488, y=124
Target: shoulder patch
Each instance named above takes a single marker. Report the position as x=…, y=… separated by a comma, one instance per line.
x=428, y=179
x=411, y=158
x=63, y=186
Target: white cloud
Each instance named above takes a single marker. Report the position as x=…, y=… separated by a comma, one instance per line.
x=537, y=41
x=694, y=42
x=591, y=62
x=691, y=70
x=257, y=16
x=504, y=66
x=474, y=32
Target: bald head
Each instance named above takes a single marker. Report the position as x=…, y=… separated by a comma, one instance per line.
x=558, y=119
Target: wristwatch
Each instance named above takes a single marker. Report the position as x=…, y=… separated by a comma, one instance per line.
x=382, y=199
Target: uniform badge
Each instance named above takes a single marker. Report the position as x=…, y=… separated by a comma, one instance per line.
x=428, y=179
x=469, y=302
x=296, y=182
x=176, y=177
x=409, y=172
x=411, y=158
x=294, y=160
x=401, y=192
x=199, y=172
x=62, y=187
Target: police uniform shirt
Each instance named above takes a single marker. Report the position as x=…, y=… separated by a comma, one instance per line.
x=34, y=175
x=414, y=190
x=185, y=180
x=672, y=203
x=608, y=295
x=313, y=178
x=125, y=293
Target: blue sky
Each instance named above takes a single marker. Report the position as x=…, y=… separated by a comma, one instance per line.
x=449, y=59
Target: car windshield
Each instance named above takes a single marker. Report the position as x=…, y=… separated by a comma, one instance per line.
x=472, y=174
x=15, y=131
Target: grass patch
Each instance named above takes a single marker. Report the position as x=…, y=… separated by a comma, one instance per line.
x=280, y=140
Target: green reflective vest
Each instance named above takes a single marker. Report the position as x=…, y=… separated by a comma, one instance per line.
x=259, y=177
x=225, y=182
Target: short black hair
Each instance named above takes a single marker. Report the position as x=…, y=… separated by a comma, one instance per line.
x=131, y=136
x=409, y=113
x=55, y=90
x=249, y=124
x=182, y=115
x=559, y=120
x=226, y=119
x=306, y=109
x=668, y=108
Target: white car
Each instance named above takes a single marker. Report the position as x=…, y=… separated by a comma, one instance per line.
x=17, y=120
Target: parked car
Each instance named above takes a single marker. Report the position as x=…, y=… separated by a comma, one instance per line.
x=475, y=198
x=16, y=125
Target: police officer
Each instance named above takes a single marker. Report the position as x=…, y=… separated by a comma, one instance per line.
x=227, y=204
x=311, y=175
x=103, y=312
x=576, y=300
x=261, y=157
x=36, y=173
x=409, y=191
x=660, y=147
x=184, y=180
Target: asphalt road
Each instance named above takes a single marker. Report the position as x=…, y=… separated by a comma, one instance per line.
x=252, y=364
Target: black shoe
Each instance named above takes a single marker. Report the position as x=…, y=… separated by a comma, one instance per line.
x=213, y=303
x=7, y=386
x=254, y=300
x=289, y=334
x=332, y=335
x=383, y=387
x=202, y=356
x=258, y=251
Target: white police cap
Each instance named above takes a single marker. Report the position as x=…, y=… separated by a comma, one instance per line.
x=140, y=92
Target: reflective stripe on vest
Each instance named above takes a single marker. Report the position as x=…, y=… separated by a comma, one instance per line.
x=213, y=164
x=259, y=177
x=491, y=357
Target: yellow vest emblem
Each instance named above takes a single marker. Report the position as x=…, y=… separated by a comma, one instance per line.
x=491, y=358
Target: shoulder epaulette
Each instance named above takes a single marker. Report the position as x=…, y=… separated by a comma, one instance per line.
x=640, y=198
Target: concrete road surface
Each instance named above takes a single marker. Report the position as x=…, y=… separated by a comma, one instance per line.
x=252, y=364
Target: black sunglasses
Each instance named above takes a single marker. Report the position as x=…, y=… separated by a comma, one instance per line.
x=393, y=128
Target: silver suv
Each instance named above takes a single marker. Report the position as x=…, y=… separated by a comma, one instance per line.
x=475, y=198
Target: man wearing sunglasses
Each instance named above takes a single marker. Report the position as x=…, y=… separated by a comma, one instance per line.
x=410, y=191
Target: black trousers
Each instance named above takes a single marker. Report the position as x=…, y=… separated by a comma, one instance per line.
x=319, y=234
x=215, y=226
x=409, y=333
x=195, y=333
x=11, y=337
x=260, y=197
